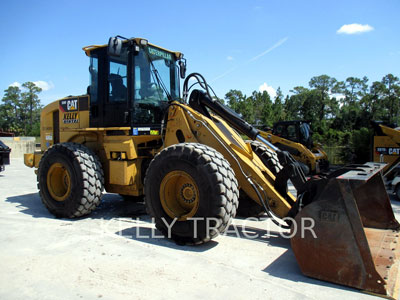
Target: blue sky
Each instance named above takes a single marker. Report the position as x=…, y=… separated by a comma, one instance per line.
x=240, y=45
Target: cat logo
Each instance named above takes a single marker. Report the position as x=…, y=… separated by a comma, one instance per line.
x=394, y=151
x=69, y=105
x=388, y=151
x=72, y=104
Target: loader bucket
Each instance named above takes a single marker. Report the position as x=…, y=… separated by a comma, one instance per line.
x=355, y=238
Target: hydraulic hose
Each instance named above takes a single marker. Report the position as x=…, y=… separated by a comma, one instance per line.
x=200, y=98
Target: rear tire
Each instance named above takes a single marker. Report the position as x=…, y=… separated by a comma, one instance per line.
x=70, y=180
x=188, y=181
x=267, y=155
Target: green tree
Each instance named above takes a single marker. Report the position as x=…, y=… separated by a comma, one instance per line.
x=352, y=112
x=339, y=111
x=20, y=110
x=294, y=103
x=325, y=85
x=371, y=101
x=30, y=103
x=392, y=95
x=10, y=110
x=352, y=88
x=311, y=108
x=234, y=99
x=262, y=107
x=278, y=110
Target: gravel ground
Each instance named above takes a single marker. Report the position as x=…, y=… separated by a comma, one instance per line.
x=116, y=253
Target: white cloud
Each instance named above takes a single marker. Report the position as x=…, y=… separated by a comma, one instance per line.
x=338, y=96
x=229, y=58
x=265, y=87
x=16, y=83
x=354, y=28
x=45, y=86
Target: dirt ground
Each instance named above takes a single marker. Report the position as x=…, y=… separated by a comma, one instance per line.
x=116, y=253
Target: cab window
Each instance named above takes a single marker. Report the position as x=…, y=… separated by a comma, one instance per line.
x=304, y=132
x=291, y=132
x=117, y=80
x=279, y=130
x=94, y=74
x=150, y=89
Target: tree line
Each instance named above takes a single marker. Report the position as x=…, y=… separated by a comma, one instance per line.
x=339, y=111
x=20, y=110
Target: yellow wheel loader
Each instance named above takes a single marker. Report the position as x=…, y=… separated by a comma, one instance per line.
x=295, y=137
x=133, y=134
x=387, y=149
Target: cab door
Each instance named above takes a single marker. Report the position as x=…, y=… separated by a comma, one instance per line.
x=110, y=89
x=116, y=105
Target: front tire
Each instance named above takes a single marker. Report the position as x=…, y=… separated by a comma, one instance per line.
x=193, y=187
x=247, y=206
x=70, y=180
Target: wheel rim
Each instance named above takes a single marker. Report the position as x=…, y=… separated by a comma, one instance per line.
x=58, y=182
x=179, y=195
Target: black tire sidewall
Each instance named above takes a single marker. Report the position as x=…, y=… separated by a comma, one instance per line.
x=186, y=228
x=216, y=185
x=267, y=156
x=67, y=207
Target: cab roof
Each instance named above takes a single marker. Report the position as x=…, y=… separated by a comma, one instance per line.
x=138, y=41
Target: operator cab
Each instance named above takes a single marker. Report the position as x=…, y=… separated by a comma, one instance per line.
x=131, y=82
x=296, y=131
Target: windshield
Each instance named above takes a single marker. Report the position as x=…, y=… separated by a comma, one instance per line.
x=304, y=131
x=156, y=79
x=306, y=135
x=156, y=75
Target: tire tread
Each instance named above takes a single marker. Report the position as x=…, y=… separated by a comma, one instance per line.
x=92, y=175
x=223, y=205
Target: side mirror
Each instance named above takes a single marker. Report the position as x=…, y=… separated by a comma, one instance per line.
x=114, y=46
x=182, y=67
